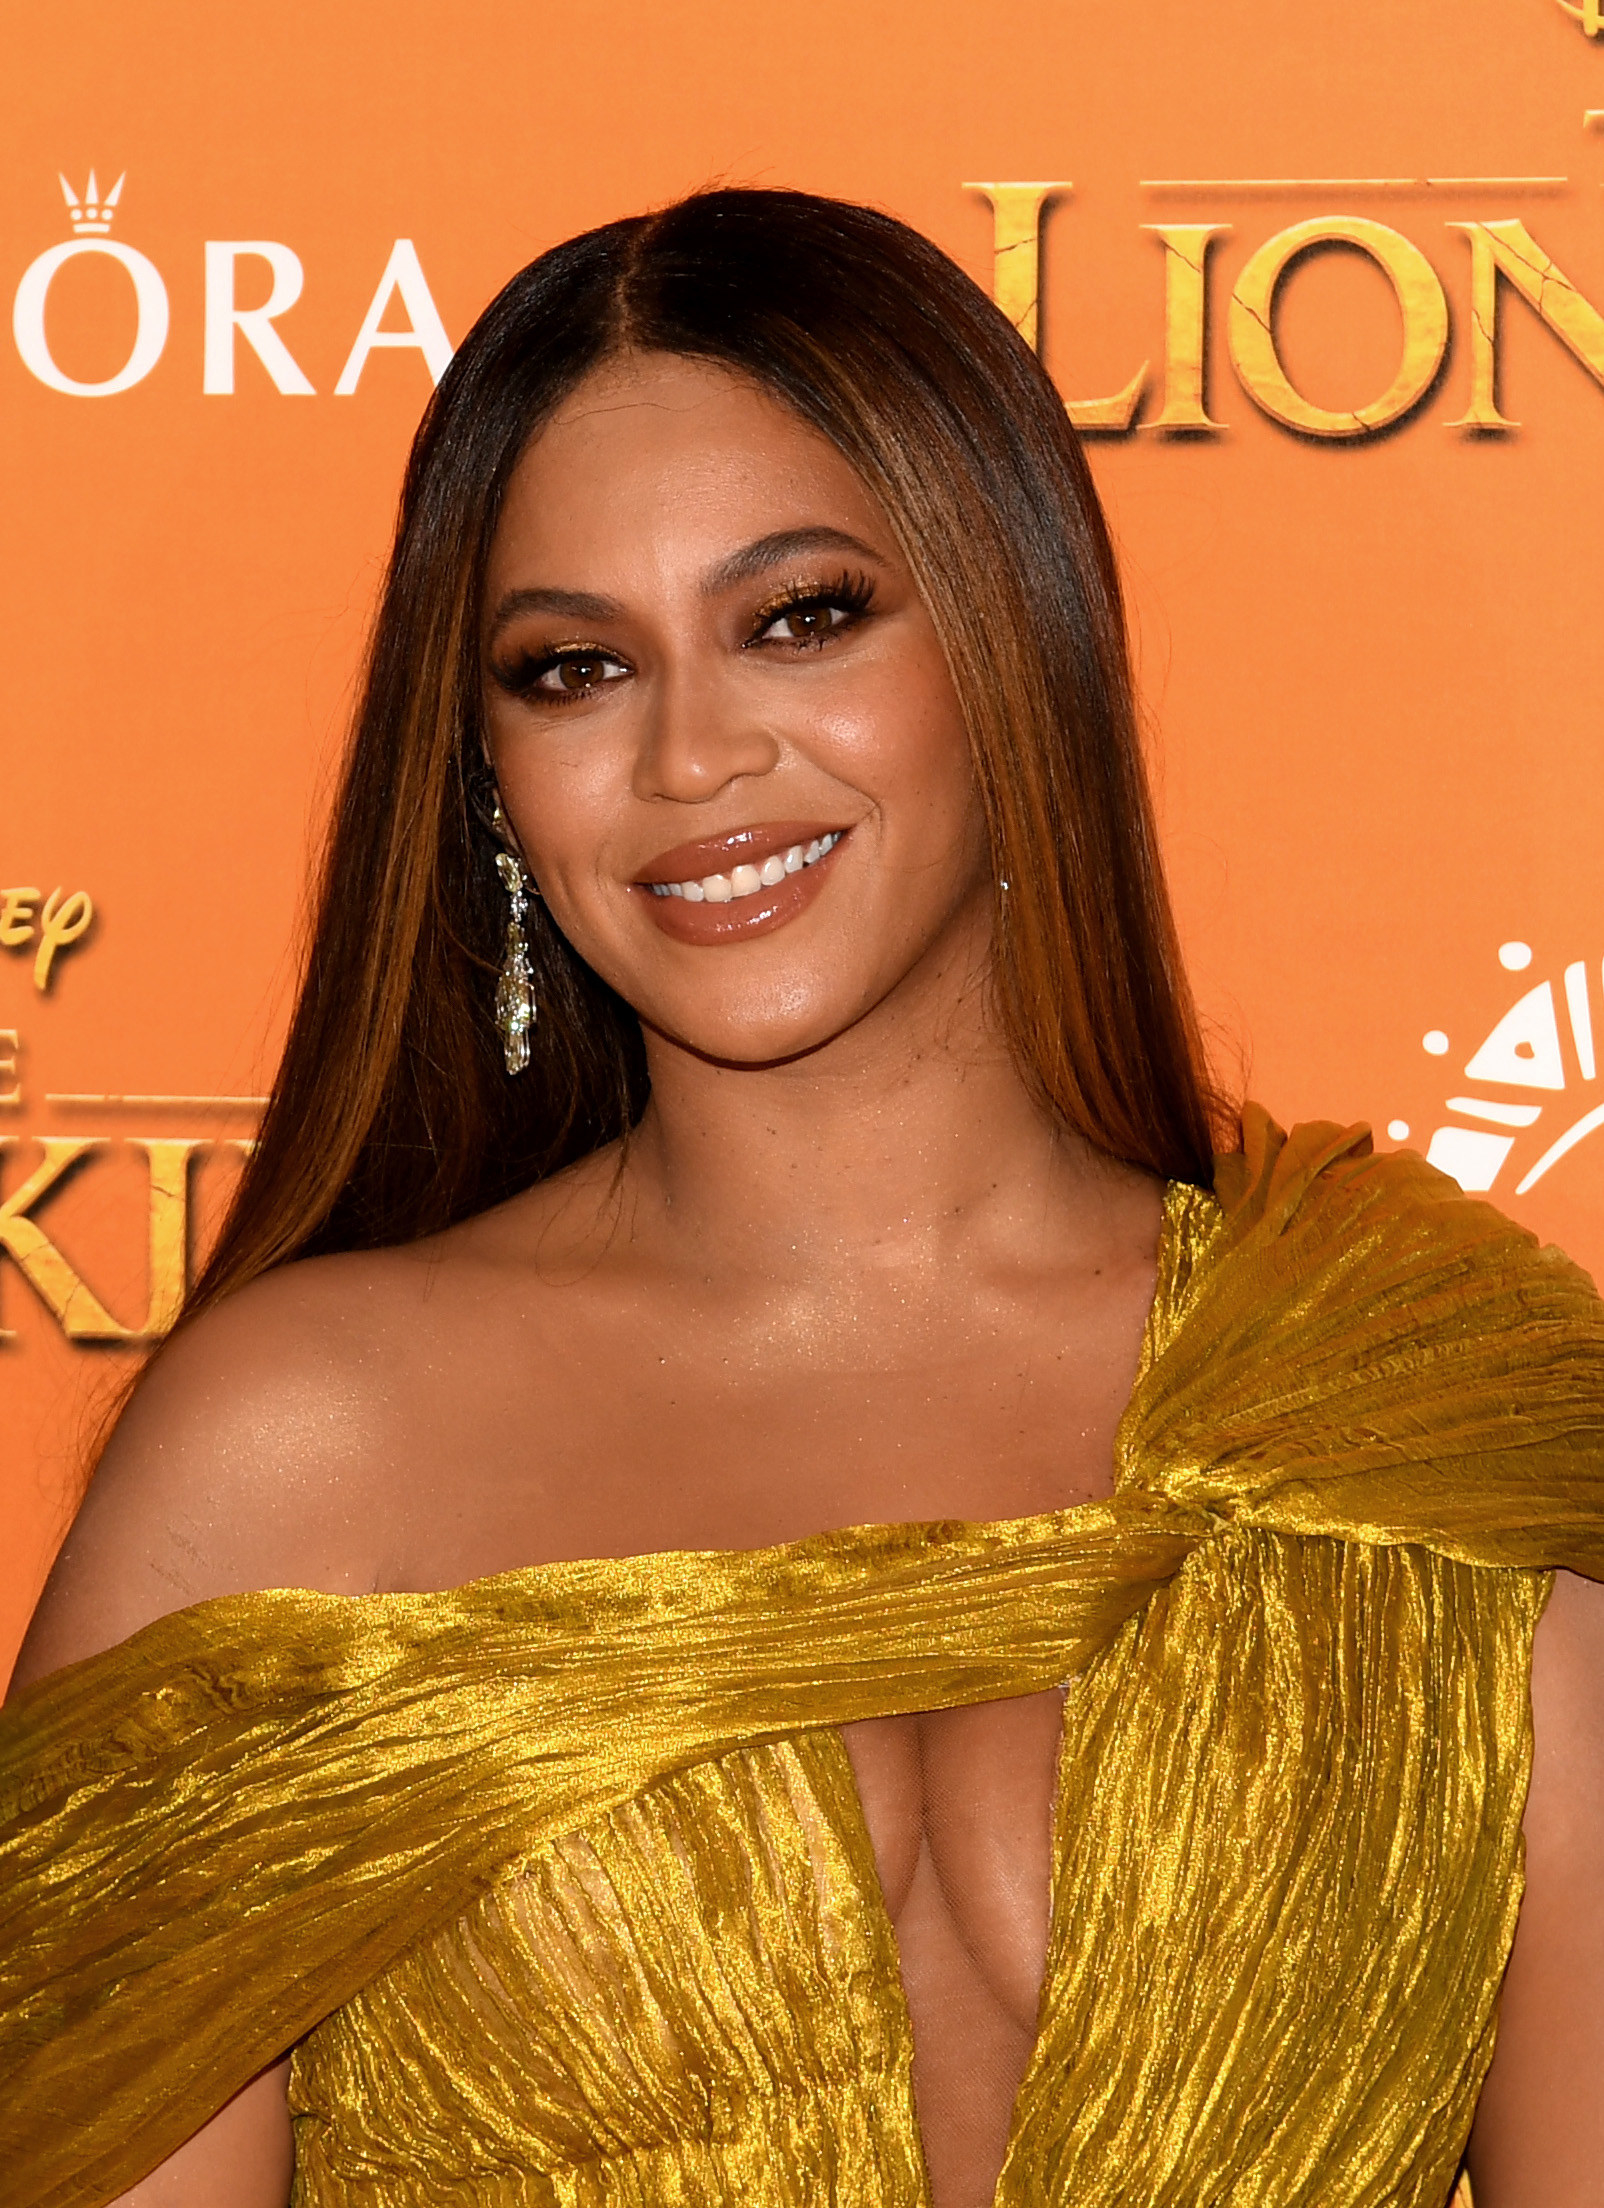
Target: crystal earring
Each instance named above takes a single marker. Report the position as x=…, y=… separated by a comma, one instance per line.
x=516, y=1009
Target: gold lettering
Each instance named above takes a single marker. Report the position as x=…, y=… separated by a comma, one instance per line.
x=1509, y=250
x=169, y=1227
x=1252, y=327
x=80, y=1314
x=1116, y=413
x=1186, y=256
x=62, y=922
x=76, y=1309
x=10, y=1044
x=1017, y=211
x=1016, y=220
x=16, y=916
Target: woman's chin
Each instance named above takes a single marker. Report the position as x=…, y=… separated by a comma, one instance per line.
x=753, y=1038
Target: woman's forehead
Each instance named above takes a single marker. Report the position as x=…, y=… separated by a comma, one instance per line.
x=637, y=406
x=654, y=446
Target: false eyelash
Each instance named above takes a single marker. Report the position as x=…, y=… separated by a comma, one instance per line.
x=519, y=679
x=852, y=591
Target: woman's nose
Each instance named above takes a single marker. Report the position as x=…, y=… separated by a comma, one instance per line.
x=700, y=735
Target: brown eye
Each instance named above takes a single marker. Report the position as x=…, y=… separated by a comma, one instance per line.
x=580, y=674
x=577, y=673
x=806, y=624
x=805, y=618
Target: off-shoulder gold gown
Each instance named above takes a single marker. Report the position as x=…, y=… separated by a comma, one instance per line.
x=559, y=1886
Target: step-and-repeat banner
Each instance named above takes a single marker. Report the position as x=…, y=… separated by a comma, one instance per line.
x=1323, y=286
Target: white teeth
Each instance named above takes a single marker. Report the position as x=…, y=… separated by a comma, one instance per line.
x=744, y=880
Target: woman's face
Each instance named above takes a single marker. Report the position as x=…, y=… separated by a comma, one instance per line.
x=722, y=726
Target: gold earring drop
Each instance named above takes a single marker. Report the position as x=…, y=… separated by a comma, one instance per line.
x=516, y=1010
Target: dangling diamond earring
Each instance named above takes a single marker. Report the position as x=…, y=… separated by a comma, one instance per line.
x=516, y=1009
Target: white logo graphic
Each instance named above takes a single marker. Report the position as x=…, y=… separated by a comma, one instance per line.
x=1524, y=1052
x=91, y=218
x=402, y=290
x=91, y=215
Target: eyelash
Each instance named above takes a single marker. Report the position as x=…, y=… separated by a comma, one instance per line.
x=851, y=594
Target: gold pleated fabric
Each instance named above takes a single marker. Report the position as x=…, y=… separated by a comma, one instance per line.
x=559, y=1885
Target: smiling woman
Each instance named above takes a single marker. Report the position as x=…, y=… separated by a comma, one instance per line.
x=779, y=705
x=752, y=1575
x=875, y=363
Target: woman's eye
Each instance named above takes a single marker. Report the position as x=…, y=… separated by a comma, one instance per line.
x=807, y=623
x=576, y=673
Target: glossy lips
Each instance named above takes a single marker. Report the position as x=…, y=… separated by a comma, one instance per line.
x=747, y=879
x=731, y=887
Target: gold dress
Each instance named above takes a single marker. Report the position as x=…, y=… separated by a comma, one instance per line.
x=559, y=1886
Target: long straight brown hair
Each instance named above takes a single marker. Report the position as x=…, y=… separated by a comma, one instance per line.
x=392, y=1116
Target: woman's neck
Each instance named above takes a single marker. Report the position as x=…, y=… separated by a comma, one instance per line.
x=910, y=1142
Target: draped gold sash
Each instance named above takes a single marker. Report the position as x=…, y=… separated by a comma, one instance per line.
x=282, y=1791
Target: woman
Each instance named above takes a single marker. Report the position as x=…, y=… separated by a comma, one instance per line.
x=744, y=1089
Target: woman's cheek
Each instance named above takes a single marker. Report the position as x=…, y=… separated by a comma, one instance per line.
x=567, y=807
x=898, y=721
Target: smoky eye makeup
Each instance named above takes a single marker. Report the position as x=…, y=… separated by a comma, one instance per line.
x=809, y=605
x=559, y=675
x=814, y=609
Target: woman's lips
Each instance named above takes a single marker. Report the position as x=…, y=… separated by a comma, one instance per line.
x=689, y=862
x=732, y=887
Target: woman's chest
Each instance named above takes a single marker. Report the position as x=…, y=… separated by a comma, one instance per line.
x=958, y=1809
x=623, y=1408
x=609, y=1457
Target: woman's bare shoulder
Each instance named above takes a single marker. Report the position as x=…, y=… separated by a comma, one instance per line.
x=250, y=1455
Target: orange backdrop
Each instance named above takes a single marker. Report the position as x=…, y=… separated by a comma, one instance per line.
x=1357, y=501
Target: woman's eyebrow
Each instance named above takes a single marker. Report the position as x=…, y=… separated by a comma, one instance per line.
x=740, y=567
x=782, y=544
x=573, y=605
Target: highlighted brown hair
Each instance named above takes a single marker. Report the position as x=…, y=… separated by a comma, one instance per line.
x=391, y=1116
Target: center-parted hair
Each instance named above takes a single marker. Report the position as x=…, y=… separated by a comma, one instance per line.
x=392, y=1115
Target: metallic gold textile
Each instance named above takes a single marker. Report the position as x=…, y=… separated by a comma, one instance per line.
x=560, y=1882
